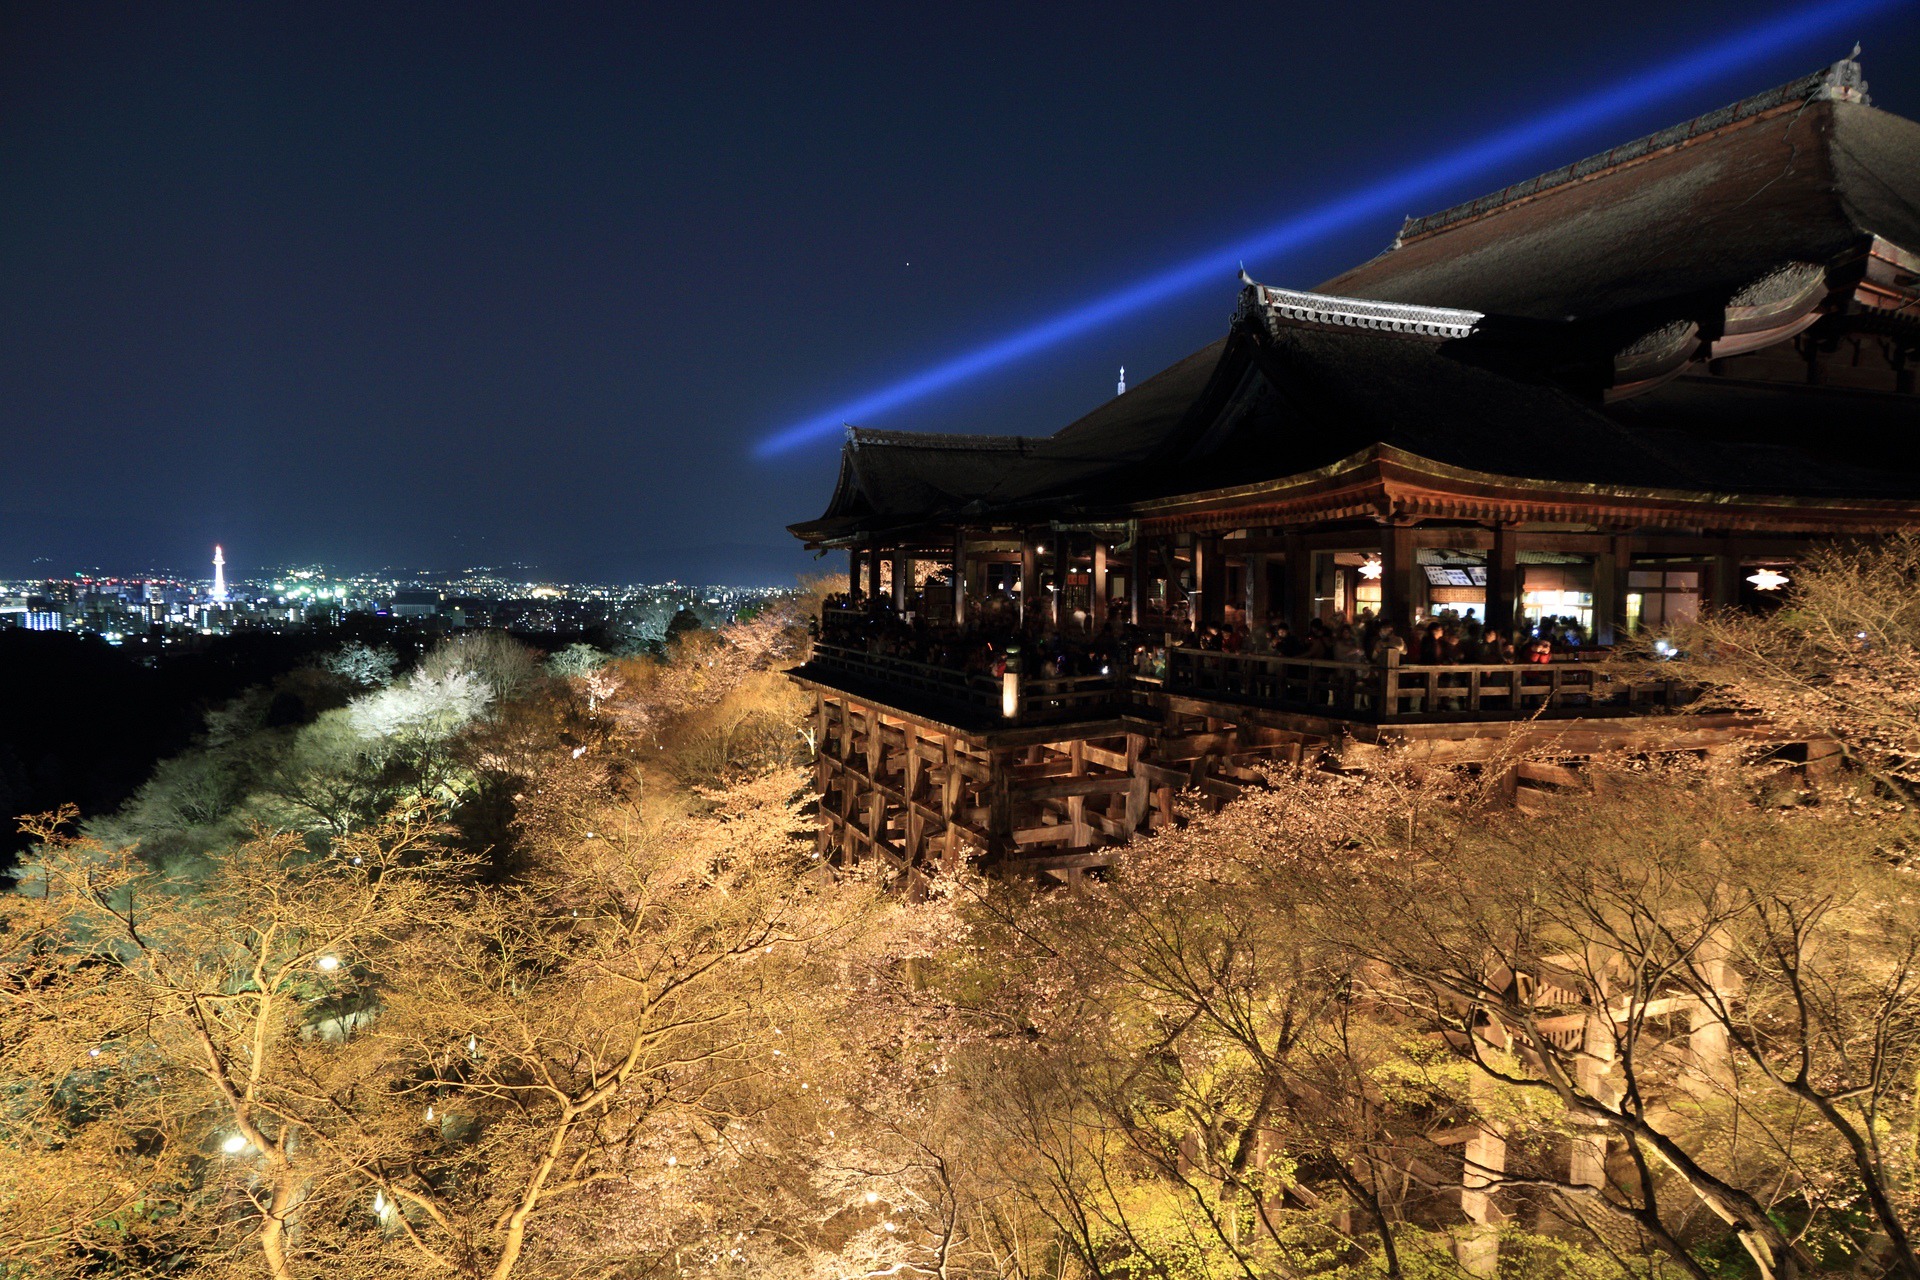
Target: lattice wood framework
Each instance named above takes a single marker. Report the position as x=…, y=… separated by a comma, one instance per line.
x=920, y=796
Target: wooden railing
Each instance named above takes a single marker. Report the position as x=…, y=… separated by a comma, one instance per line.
x=1032, y=700
x=1376, y=692
x=1394, y=690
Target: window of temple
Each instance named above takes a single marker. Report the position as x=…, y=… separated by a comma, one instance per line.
x=1560, y=591
x=1661, y=598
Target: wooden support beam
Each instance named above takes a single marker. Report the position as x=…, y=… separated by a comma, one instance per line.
x=1077, y=804
x=1138, y=786
x=960, y=577
x=950, y=790
x=1057, y=597
x=1503, y=579
x=866, y=782
x=1397, y=567
x=1029, y=578
x=1097, y=601
x=1259, y=603
x=1136, y=579
x=1610, y=590
x=1299, y=578
x=1485, y=1156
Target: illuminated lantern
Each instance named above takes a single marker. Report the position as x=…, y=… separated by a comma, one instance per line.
x=1767, y=580
x=1370, y=570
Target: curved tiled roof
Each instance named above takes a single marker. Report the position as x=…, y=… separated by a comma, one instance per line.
x=1726, y=235
x=1811, y=182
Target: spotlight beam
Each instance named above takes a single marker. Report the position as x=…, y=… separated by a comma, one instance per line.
x=1395, y=193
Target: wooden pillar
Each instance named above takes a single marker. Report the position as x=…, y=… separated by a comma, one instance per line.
x=1707, y=1039
x=1725, y=587
x=999, y=798
x=1259, y=606
x=1029, y=578
x=1486, y=1161
x=1097, y=592
x=1082, y=837
x=1136, y=578
x=1197, y=597
x=1138, y=786
x=960, y=577
x=1398, y=564
x=1057, y=609
x=950, y=784
x=1610, y=591
x=1587, y=1161
x=853, y=572
x=902, y=580
x=1209, y=580
x=1299, y=594
x=1503, y=578
x=873, y=576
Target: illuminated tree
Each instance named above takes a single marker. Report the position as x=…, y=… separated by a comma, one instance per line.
x=1304, y=1034
x=367, y=1062
x=361, y=665
x=1838, y=660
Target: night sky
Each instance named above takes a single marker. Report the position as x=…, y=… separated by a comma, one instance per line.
x=444, y=285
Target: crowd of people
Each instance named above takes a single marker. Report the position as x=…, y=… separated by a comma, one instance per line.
x=1041, y=648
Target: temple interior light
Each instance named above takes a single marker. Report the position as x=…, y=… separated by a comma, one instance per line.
x=1370, y=570
x=1768, y=580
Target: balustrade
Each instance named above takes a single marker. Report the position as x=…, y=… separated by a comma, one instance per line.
x=1378, y=692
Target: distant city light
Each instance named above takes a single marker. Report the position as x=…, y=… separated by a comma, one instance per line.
x=1538, y=132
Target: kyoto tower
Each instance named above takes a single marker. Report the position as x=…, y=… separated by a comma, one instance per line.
x=219, y=592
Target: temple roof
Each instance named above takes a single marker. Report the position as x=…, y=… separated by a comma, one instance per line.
x=1324, y=393
x=907, y=476
x=1701, y=211
x=1557, y=331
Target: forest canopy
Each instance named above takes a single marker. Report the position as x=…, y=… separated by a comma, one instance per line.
x=519, y=965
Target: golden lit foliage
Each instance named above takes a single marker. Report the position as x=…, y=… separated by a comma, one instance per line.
x=363, y=1060
x=1840, y=657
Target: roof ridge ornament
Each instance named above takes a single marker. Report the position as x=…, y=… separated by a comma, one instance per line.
x=1329, y=311
x=1845, y=81
x=1841, y=81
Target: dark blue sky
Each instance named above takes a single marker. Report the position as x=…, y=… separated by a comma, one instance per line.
x=455, y=284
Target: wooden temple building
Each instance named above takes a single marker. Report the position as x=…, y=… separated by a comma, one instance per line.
x=1630, y=389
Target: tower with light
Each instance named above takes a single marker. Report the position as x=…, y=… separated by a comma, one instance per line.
x=219, y=593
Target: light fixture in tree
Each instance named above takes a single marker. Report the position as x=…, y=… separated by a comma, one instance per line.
x=327, y=964
x=234, y=1145
x=1370, y=569
x=1767, y=580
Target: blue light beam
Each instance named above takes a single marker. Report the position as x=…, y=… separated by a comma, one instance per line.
x=1656, y=84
